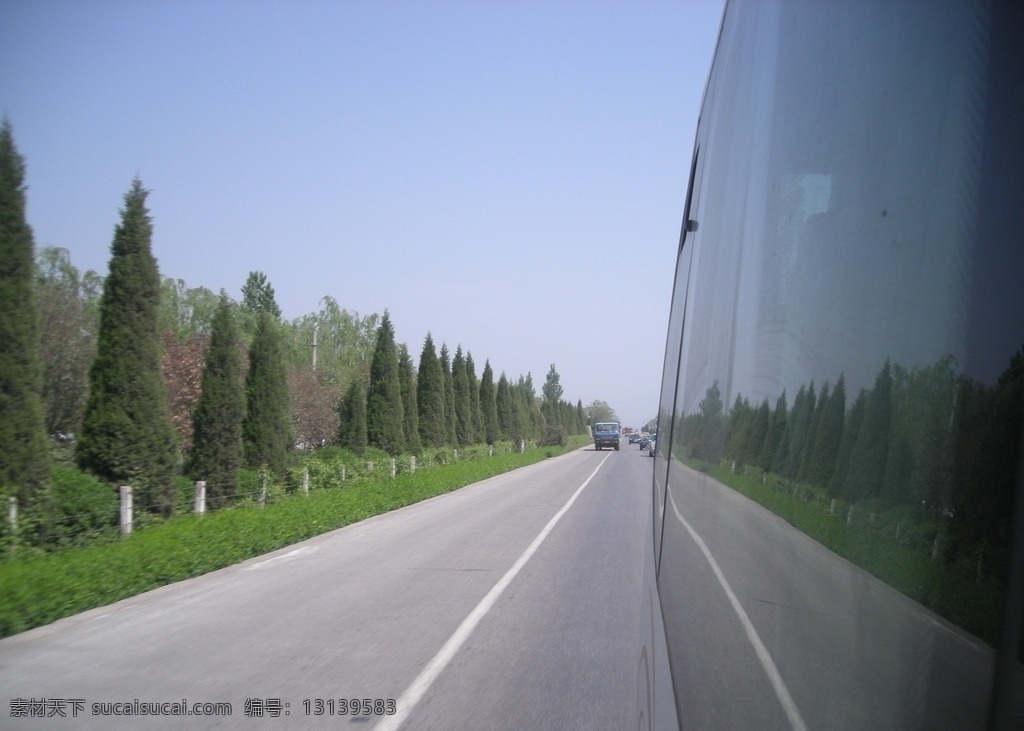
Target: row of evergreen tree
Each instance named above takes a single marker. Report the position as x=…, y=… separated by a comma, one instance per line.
x=443, y=403
x=237, y=388
x=926, y=438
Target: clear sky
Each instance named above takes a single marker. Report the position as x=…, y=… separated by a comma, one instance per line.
x=508, y=176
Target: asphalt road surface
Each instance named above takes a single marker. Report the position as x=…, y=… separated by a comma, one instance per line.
x=509, y=604
x=514, y=603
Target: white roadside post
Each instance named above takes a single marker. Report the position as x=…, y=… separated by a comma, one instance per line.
x=200, y=497
x=126, y=510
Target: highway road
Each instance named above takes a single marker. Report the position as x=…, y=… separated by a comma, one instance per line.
x=514, y=603
x=509, y=604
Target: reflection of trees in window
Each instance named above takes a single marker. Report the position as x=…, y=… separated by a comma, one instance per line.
x=926, y=440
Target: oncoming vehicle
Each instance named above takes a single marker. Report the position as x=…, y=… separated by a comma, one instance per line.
x=606, y=434
x=837, y=530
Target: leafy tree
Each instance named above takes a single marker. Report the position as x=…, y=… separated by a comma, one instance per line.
x=181, y=364
x=24, y=451
x=352, y=419
x=126, y=435
x=266, y=430
x=600, y=411
x=552, y=395
x=410, y=411
x=216, y=454
x=488, y=405
x=552, y=389
x=69, y=315
x=258, y=296
x=430, y=397
x=384, y=407
x=313, y=407
x=345, y=343
x=185, y=311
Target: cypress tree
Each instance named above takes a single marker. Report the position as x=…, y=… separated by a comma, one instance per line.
x=24, y=450
x=460, y=389
x=384, y=397
x=852, y=423
x=410, y=411
x=821, y=464
x=430, y=397
x=739, y=423
x=532, y=418
x=812, y=433
x=776, y=428
x=504, y=408
x=871, y=450
x=352, y=419
x=475, y=414
x=488, y=406
x=449, y=397
x=217, y=419
x=266, y=430
x=798, y=428
x=126, y=435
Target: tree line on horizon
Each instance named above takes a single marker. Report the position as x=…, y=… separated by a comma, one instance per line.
x=148, y=380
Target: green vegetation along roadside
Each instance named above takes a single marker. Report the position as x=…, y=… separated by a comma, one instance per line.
x=877, y=543
x=44, y=588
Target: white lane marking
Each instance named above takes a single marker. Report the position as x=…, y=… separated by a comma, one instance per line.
x=419, y=687
x=774, y=677
x=290, y=554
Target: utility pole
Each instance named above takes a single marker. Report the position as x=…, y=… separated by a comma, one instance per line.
x=316, y=326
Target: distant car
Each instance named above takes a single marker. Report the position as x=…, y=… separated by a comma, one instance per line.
x=645, y=441
x=634, y=438
x=651, y=446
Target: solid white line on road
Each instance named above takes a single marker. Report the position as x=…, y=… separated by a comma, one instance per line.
x=412, y=695
x=767, y=663
x=290, y=554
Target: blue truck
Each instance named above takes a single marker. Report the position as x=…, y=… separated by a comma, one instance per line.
x=606, y=434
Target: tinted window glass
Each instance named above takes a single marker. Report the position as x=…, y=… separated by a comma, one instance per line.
x=847, y=353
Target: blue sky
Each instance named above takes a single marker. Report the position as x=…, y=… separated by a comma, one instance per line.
x=508, y=176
